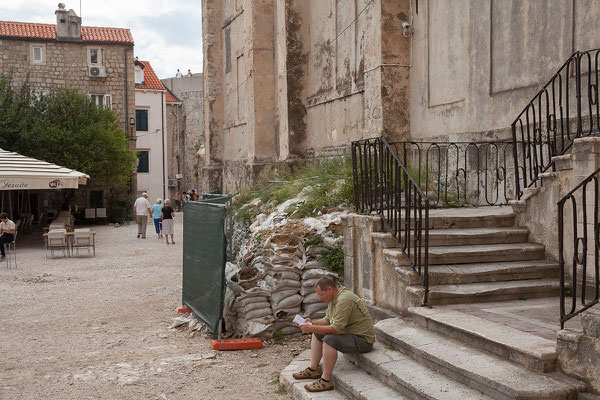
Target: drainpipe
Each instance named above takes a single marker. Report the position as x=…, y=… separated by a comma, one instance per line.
x=125, y=94
x=162, y=136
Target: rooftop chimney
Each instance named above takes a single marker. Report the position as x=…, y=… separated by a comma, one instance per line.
x=68, y=25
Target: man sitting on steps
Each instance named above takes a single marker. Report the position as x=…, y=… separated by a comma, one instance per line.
x=347, y=327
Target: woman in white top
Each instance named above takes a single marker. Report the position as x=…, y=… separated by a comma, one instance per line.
x=7, y=231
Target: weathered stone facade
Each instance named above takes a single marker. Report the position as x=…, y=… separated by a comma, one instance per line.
x=65, y=65
x=289, y=79
x=185, y=130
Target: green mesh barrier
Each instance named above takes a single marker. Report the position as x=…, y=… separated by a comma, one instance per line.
x=204, y=257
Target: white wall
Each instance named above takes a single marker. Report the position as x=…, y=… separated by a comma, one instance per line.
x=155, y=140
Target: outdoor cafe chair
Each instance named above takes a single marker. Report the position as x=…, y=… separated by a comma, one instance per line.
x=57, y=240
x=10, y=249
x=83, y=238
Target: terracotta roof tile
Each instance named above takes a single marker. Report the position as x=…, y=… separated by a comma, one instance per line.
x=170, y=98
x=30, y=30
x=151, y=81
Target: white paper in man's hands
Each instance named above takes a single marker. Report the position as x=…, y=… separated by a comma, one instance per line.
x=299, y=320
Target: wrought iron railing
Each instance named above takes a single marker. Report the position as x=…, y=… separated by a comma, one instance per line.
x=566, y=108
x=383, y=185
x=459, y=174
x=579, y=237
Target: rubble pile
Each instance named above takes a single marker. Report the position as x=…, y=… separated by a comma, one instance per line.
x=274, y=280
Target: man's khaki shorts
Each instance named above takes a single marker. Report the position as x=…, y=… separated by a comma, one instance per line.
x=346, y=343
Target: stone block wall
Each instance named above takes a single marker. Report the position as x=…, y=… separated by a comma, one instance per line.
x=366, y=271
x=65, y=65
x=190, y=90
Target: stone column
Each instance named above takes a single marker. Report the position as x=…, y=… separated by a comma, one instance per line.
x=212, y=19
x=395, y=72
x=261, y=104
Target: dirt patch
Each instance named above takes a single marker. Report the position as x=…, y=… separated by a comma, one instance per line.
x=98, y=329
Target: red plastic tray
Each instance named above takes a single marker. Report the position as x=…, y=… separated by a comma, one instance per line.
x=236, y=344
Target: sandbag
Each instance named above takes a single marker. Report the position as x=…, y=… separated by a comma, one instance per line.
x=290, y=301
x=253, y=306
x=317, y=273
x=279, y=295
x=311, y=298
x=310, y=308
x=290, y=330
x=287, y=312
x=285, y=284
x=281, y=275
x=311, y=264
x=248, y=298
x=263, y=312
x=306, y=290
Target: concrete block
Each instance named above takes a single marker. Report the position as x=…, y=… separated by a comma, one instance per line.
x=591, y=324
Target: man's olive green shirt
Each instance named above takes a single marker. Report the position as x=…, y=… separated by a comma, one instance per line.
x=347, y=313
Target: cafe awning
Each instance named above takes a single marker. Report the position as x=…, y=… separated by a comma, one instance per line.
x=18, y=172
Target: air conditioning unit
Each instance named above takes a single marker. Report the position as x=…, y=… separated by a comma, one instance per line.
x=97, y=72
x=172, y=182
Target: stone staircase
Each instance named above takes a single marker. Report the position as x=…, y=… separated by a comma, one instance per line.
x=476, y=255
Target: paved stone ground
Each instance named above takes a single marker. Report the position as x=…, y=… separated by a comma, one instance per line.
x=97, y=328
x=537, y=316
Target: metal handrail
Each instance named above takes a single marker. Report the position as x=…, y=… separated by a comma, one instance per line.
x=459, y=174
x=567, y=107
x=383, y=184
x=579, y=241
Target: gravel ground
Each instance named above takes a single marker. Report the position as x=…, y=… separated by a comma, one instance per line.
x=97, y=328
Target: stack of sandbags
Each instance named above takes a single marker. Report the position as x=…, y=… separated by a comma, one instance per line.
x=252, y=308
x=312, y=307
x=284, y=278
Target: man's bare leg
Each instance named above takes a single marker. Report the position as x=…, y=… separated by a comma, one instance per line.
x=329, y=360
x=316, y=351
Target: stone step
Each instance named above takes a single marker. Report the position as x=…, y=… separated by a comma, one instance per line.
x=410, y=378
x=472, y=254
x=469, y=217
x=358, y=384
x=351, y=382
x=478, y=369
x=489, y=291
x=470, y=236
x=512, y=344
x=483, y=272
x=295, y=388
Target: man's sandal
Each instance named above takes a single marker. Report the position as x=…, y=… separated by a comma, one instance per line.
x=307, y=374
x=319, y=386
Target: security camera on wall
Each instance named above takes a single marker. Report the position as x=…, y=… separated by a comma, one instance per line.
x=407, y=29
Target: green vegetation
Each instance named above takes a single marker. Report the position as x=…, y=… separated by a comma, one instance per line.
x=281, y=389
x=65, y=128
x=277, y=335
x=325, y=184
x=390, y=347
x=333, y=259
x=568, y=291
x=522, y=297
x=313, y=240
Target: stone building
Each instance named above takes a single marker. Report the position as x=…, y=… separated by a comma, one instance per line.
x=185, y=128
x=94, y=60
x=300, y=79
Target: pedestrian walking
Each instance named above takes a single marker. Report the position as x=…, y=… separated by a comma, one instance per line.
x=167, y=215
x=141, y=211
x=156, y=209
